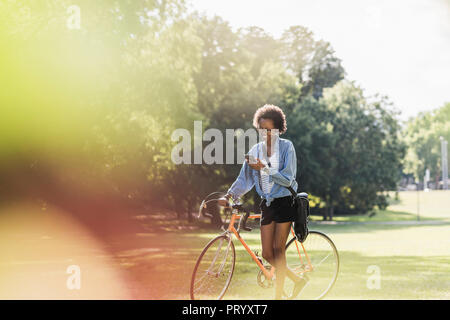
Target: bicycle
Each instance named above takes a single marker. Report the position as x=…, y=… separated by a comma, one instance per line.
x=215, y=266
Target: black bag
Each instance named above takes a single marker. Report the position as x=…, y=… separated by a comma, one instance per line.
x=301, y=202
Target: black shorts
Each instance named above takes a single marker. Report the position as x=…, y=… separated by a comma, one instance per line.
x=280, y=210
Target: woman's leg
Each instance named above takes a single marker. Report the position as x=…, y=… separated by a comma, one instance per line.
x=267, y=234
x=281, y=234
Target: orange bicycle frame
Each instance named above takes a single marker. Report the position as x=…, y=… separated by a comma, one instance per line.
x=267, y=274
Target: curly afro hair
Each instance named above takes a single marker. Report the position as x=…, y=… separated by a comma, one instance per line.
x=274, y=113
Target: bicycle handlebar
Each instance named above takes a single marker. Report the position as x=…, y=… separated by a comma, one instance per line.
x=238, y=207
x=202, y=211
x=246, y=215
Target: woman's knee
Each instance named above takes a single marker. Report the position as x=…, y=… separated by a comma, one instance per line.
x=278, y=252
x=268, y=255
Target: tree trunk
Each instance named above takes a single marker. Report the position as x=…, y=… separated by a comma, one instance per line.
x=189, y=211
x=331, y=213
x=179, y=209
x=325, y=211
x=436, y=181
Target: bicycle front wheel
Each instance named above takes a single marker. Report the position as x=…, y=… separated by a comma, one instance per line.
x=214, y=269
x=317, y=259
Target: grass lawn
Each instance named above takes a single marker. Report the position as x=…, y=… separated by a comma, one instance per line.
x=413, y=259
x=411, y=205
x=414, y=263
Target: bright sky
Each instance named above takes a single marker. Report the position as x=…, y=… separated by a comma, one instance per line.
x=398, y=48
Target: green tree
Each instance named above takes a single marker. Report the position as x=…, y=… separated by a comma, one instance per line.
x=422, y=135
x=313, y=62
x=349, y=149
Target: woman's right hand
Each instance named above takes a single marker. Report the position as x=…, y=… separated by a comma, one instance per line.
x=224, y=201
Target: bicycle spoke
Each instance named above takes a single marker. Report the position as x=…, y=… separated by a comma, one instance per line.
x=322, y=257
x=213, y=270
x=316, y=265
x=225, y=257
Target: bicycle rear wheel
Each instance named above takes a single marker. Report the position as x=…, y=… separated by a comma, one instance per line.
x=320, y=264
x=213, y=270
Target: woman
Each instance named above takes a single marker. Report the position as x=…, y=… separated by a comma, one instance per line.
x=271, y=166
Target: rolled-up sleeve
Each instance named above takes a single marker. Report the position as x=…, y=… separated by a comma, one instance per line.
x=286, y=176
x=244, y=182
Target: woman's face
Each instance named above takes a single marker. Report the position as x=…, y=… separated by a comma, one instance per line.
x=267, y=129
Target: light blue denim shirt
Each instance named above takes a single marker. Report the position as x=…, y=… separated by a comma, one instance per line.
x=282, y=178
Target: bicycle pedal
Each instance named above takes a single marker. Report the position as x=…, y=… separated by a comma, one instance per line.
x=258, y=257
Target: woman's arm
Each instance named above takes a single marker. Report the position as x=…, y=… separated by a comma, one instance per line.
x=244, y=182
x=286, y=176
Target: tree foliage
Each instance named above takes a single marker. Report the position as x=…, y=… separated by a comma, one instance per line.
x=422, y=135
x=104, y=101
